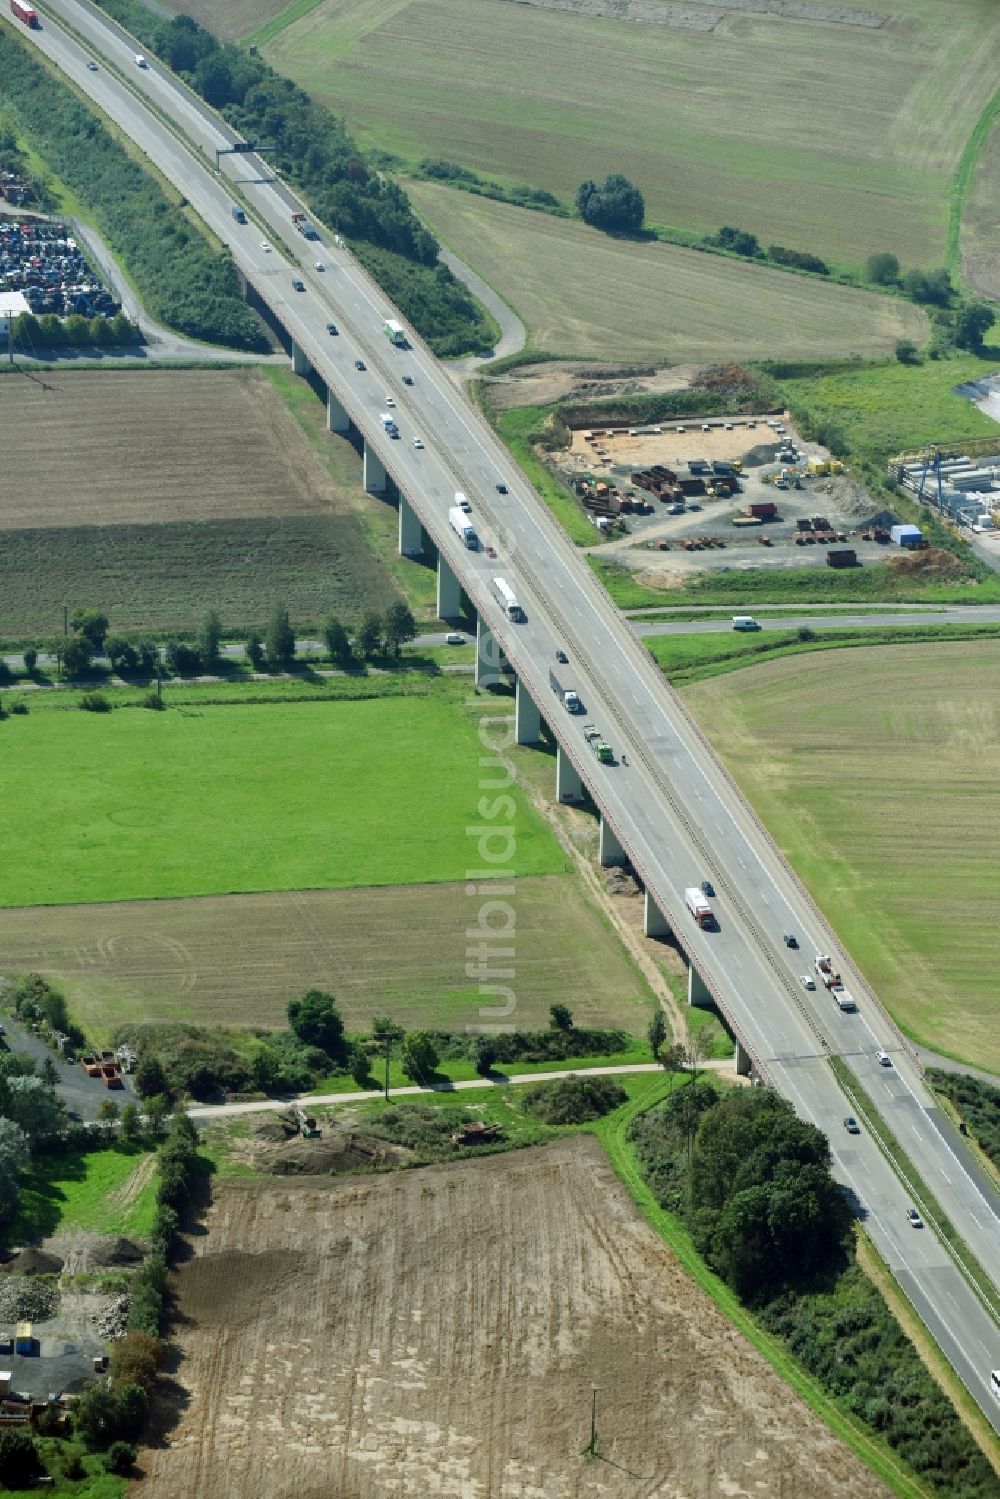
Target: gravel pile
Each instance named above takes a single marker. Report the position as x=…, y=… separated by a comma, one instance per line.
x=112, y=1322
x=24, y=1299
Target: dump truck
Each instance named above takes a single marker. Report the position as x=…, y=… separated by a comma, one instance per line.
x=844, y=1000
x=763, y=509
x=597, y=744
x=699, y=907
x=463, y=527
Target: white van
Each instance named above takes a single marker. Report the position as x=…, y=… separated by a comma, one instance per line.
x=140, y=61
x=745, y=622
x=462, y=502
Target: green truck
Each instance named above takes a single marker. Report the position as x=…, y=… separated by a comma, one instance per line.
x=597, y=744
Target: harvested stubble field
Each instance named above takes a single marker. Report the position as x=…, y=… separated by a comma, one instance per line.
x=585, y=293
x=434, y=1332
x=164, y=492
x=981, y=221
x=237, y=960
x=871, y=769
x=787, y=120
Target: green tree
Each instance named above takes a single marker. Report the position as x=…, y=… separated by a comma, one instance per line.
x=150, y=1078
x=147, y=657
x=560, y=1018
x=255, y=649
x=266, y=1073
x=122, y=655
x=95, y=1415
x=483, y=1054
x=882, y=268
x=210, y=638
x=400, y=626
x=279, y=641
x=131, y=1124
x=19, y=1462
x=369, y=637
x=928, y=286
x=76, y=653
x=182, y=659
x=30, y=659
x=316, y=1021
x=616, y=205
x=656, y=1032
x=92, y=625
x=419, y=1056
x=156, y=1111
x=120, y=1458
x=361, y=1067
x=338, y=642
x=31, y=1104
x=107, y=1111
x=13, y=1160
x=972, y=322
x=906, y=351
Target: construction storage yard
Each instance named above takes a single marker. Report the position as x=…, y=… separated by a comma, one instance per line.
x=436, y=1332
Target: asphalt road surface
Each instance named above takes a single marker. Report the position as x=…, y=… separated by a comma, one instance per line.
x=678, y=816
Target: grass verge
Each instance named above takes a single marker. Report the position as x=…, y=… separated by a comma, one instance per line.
x=104, y=1191
x=520, y=428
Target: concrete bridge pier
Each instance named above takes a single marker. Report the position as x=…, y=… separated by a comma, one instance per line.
x=569, y=787
x=489, y=656
x=698, y=994
x=741, y=1061
x=410, y=533
x=527, y=718
x=300, y=364
x=374, y=471
x=337, y=419
x=611, y=851
x=654, y=923
x=449, y=592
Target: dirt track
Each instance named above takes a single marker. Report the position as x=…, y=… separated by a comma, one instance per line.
x=435, y=1332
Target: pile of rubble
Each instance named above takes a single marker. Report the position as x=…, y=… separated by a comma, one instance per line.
x=112, y=1321
x=24, y=1298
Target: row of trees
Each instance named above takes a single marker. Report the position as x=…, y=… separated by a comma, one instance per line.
x=74, y=332
x=184, y=282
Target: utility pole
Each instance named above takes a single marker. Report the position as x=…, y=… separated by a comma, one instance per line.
x=592, y=1446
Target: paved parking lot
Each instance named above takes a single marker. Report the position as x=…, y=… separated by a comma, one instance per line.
x=81, y=1094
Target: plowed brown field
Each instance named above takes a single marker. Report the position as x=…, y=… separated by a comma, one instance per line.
x=435, y=1332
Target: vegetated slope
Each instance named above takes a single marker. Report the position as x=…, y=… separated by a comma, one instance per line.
x=394, y=950
x=868, y=768
x=312, y=149
x=164, y=493
x=816, y=133
x=981, y=221
x=182, y=280
x=436, y=1322
x=582, y=292
x=277, y=796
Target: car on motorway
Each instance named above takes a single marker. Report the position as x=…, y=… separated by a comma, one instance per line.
x=359, y=364
x=418, y=442
x=491, y=551
x=407, y=379
x=790, y=939
x=318, y=265
x=331, y=328
x=913, y=1218
x=266, y=247
x=501, y=487
x=693, y=505
x=92, y=66
x=884, y=1059
x=707, y=888
x=851, y=1125
x=727, y=426
x=562, y=656
x=680, y=429
x=298, y=283
x=807, y=981
x=995, y=1382
x=453, y=638
x=140, y=61
x=705, y=427
x=389, y=401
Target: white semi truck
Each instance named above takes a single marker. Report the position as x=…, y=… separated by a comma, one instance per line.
x=699, y=907
x=507, y=598
x=463, y=527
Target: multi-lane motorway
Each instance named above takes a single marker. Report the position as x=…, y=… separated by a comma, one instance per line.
x=675, y=812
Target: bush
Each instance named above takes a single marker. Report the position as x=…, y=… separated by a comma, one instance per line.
x=739, y=241
x=30, y=660
x=122, y=655
x=182, y=659
x=574, y=1100
x=882, y=268
x=800, y=259
x=95, y=702
x=120, y=1458
x=18, y=710
x=19, y=1463
x=153, y=701
x=906, y=352
x=135, y=1359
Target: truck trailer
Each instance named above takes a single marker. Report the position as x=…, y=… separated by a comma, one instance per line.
x=506, y=597
x=699, y=907
x=463, y=527
x=26, y=13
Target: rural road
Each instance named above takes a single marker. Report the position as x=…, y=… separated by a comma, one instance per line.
x=205, y=1113
x=672, y=810
x=513, y=335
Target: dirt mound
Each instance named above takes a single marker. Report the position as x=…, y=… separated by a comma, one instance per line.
x=850, y=498
x=33, y=1262
x=764, y=452
x=333, y=1153
x=82, y=1252
x=935, y=562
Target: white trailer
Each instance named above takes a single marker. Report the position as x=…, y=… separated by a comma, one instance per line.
x=507, y=599
x=463, y=527
x=699, y=907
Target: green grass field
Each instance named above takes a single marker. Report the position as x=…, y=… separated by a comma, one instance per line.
x=883, y=409
x=872, y=770
x=581, y=292
x=208, y=799
x=102, y=1191
x=835, y=138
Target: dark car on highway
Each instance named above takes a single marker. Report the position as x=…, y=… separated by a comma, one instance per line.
x=707, y=888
